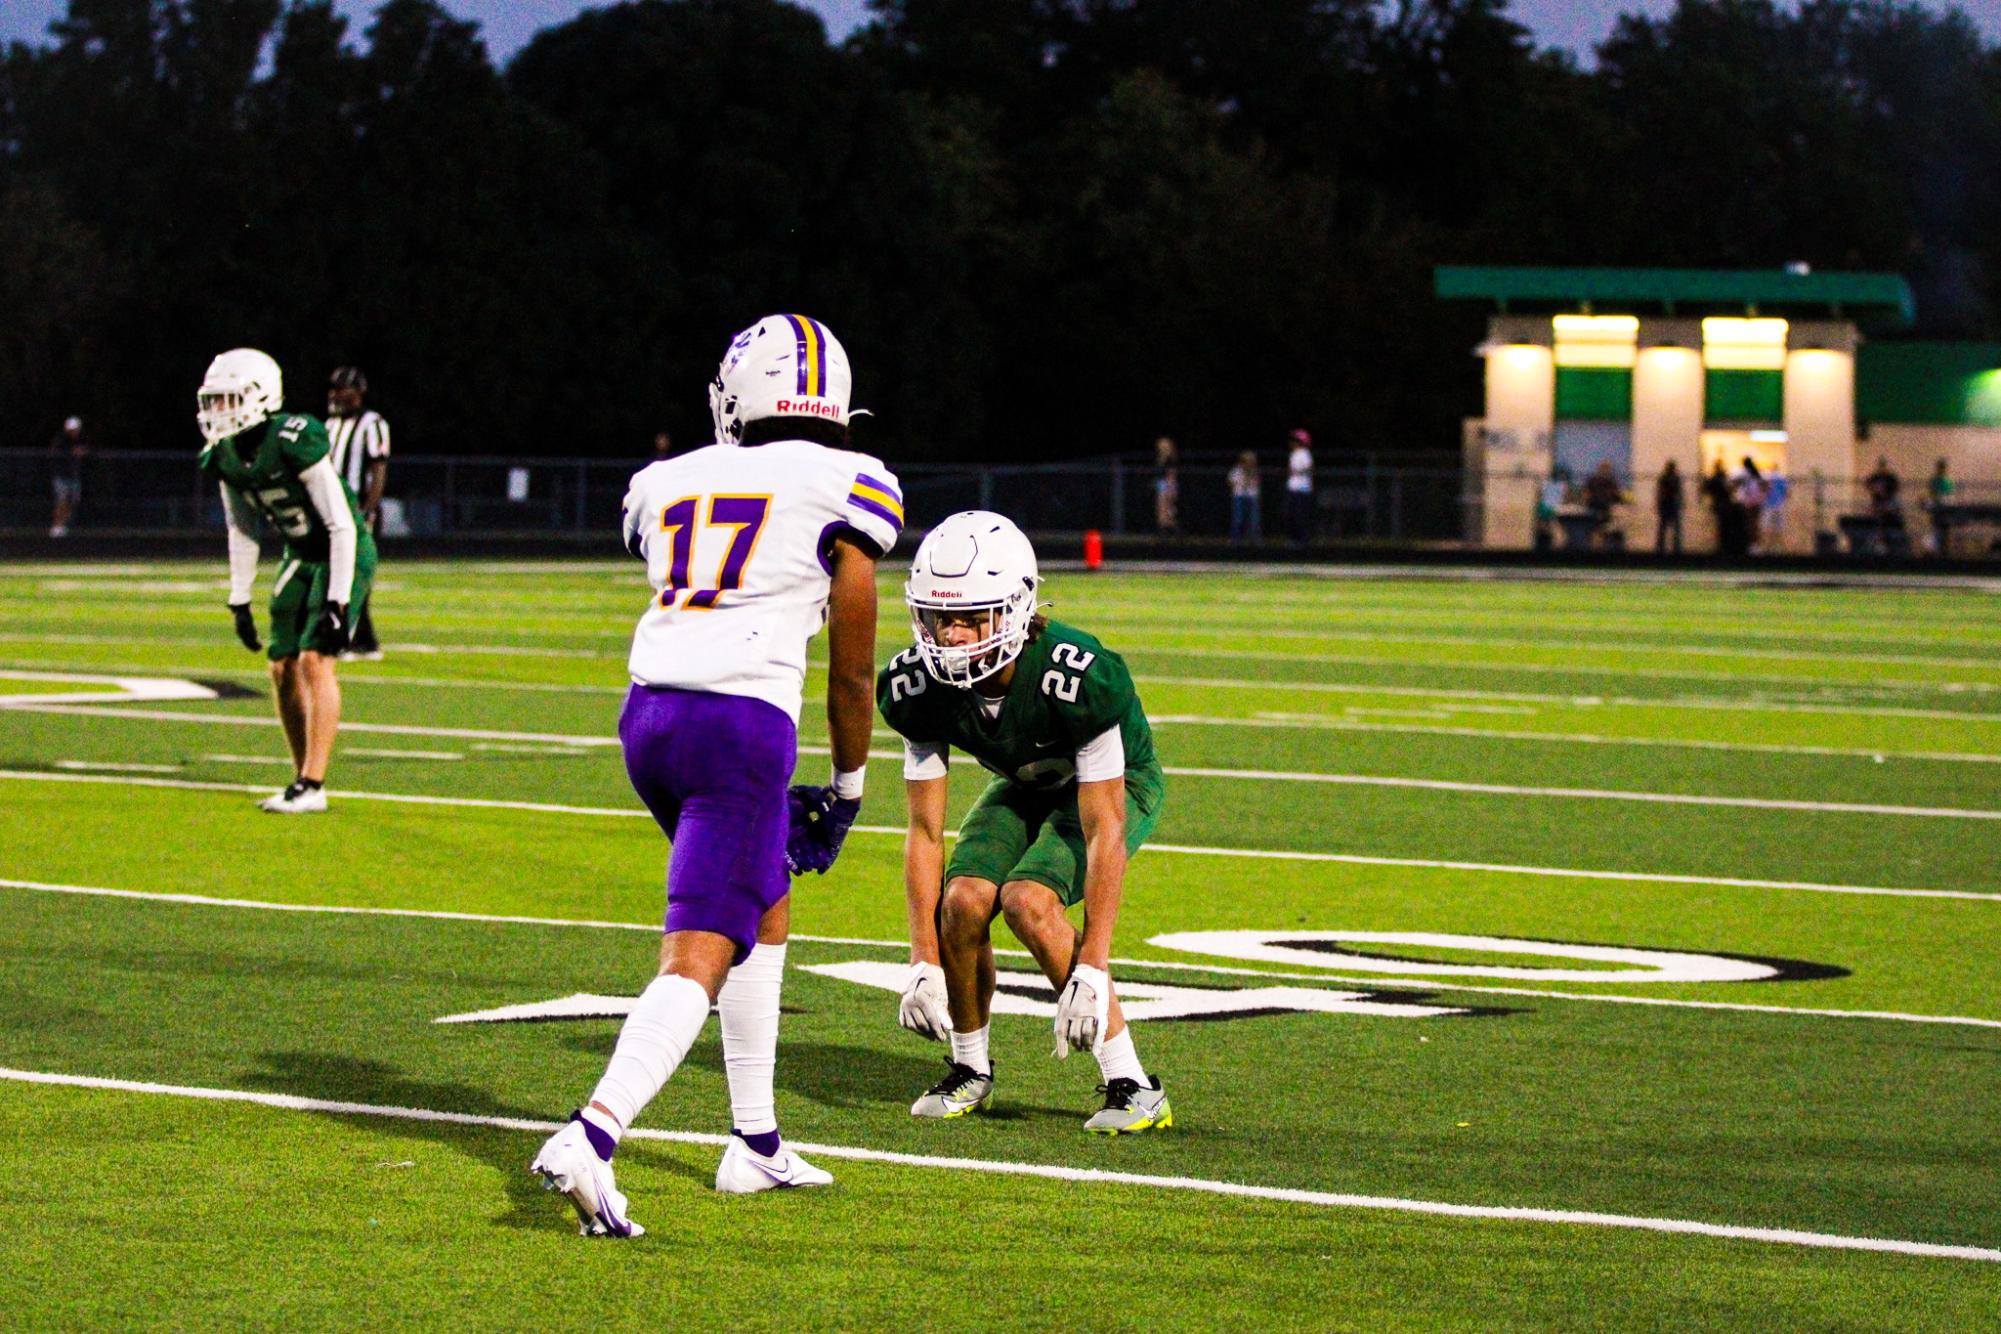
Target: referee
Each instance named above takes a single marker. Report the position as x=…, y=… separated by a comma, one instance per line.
x=360, y=440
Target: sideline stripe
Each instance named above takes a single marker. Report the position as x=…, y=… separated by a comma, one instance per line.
x=1267, y=854
x=1376, y=981
x=1574, y=700
x=1330, y=723
x=1181, y=771
x=1287, y=721
x=358, y=676
x=1050, y=1171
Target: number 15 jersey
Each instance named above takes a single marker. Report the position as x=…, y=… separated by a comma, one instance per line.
x=738, y=544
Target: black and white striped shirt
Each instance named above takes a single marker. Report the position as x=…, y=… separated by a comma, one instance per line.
x=357, y=441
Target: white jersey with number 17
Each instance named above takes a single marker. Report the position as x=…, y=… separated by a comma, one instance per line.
x=738, y=544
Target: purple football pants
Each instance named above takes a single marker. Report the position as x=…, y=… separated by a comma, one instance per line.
x=713, y=770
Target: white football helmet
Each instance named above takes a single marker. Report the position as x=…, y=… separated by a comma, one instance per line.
x=976, y=561
x=782, y=366
x=242, y=388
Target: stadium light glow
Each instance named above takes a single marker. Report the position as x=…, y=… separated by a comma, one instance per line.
x=1730, y=344
x=1596, y=340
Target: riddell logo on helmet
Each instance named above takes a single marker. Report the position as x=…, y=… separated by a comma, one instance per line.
x=808, y=407
x=942, y=593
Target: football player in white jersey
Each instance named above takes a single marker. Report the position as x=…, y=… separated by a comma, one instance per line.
x=751, y=544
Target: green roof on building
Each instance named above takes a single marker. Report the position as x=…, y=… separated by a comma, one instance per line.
x=1884, y=297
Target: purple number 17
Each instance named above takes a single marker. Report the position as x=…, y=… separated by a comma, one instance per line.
x=746, y=514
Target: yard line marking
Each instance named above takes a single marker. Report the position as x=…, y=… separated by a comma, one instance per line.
x=1591, y=793
x=1554, y=668
x=1557, y=643
x=400, y=754
x=357, y=675
x=1333, y=724
x=387, y=729
x=124, y=687
x=1354, y=780
x=1055, y=1172
x=119, y=767
x=1264, y=854
x=41, y=704
x=1256, y=775
x=1573, y=700
x=1375, y=982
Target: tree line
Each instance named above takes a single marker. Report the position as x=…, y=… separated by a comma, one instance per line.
x=1043, y=228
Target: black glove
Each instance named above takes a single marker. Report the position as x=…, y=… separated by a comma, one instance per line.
x=333, y=628
x=246, y=625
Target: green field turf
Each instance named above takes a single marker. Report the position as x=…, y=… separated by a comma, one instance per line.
x=1807, y=776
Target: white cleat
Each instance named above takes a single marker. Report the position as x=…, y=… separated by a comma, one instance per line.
x=296, y=800
x=745, y=1171
x=569, y=1164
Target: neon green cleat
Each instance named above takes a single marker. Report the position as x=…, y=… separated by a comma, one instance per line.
x=959, y=1092
x=1131, y=1107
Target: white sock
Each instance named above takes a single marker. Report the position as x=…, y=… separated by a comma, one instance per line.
x=971, y=1049
x=748, y=1004
x=1118, y=1060
x=664, y=1023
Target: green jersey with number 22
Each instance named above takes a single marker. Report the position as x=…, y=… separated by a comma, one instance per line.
x=1067, y=690
x=264, y=463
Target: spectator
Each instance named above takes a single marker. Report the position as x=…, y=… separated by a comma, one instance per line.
x=663, y=446
x=1748, y=498
x=1778, y=490
x=1668, y=497
x=1601, y=493
x=66, y=454
x=1882, y=487
x=1716, y=492
x=1938, y=492
x=1550, y=498
x=1299, y=488
x=1245, y=524
x=1166, y=487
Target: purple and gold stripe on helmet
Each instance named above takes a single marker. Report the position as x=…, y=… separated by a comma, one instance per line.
x=811, y=341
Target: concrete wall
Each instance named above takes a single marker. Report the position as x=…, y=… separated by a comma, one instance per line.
x=1521, y=414
x=1819, y=421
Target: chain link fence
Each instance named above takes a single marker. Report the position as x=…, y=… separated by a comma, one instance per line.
x=1401, y=500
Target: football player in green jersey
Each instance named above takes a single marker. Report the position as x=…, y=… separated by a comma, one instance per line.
x=273, y=463
x=1077, y=788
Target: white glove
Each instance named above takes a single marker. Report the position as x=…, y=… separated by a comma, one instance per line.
x=1080, y=1011
x=923, y=1010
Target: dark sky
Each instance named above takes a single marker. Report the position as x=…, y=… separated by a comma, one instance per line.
x=508, y=24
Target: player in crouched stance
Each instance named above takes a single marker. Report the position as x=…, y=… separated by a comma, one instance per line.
x=1053, y=713
x=274, y=464
x=751, y=543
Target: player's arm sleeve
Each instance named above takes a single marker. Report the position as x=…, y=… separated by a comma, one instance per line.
x=1102, y=757
x=323, y=488
x=873, y=507
x=377, y=442
x=633, y=523
x=241, y=521
x=931, y=759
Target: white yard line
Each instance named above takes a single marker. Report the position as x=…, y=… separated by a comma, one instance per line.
x=1188, y=771
x=1374, y=982
x=1573, y=700
x=1328, y=723
x=1267, y=854
x=1352, y=780
x=1055, y=1172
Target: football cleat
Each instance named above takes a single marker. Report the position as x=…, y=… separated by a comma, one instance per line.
x=745, y=1171
x=962, y=1090
x=297, y=799
x=1131, y=1106
x=569, y=1164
